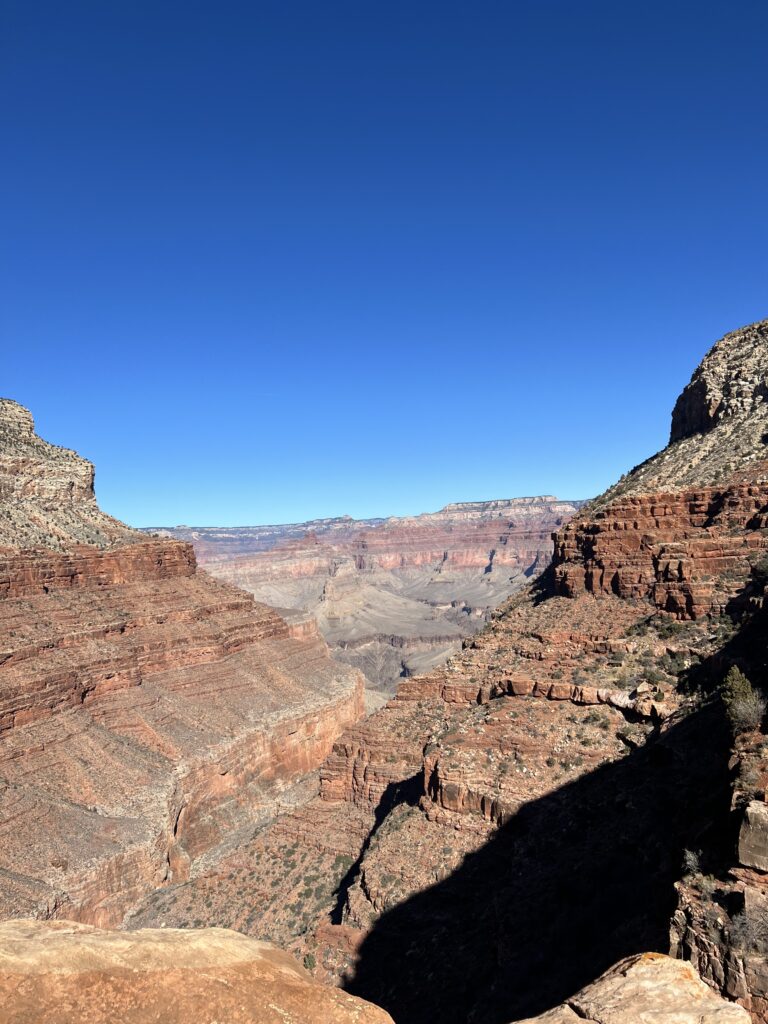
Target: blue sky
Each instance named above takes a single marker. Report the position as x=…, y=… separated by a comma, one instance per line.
x=267, y=261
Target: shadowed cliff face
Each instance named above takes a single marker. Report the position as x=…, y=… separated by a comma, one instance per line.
x=572, y=883
x=592, y=872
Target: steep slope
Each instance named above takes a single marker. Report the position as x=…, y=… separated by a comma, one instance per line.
x=511, y=825
x=392, y=597
x=46, y=492
x=719, y=424
x=147, y=711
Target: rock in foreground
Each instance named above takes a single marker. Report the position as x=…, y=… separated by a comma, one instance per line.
x=57, y=972
x=646, y=989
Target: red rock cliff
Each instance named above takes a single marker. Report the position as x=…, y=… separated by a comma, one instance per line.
x=147, y=711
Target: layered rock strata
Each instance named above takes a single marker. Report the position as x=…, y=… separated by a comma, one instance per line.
x=147, y=711
x=46, y=492
x=688, y=553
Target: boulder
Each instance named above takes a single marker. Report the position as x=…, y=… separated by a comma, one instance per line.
x=58, y=972
x=646, y=989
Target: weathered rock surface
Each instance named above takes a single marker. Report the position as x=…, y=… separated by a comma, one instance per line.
x=46, y=492
x=147, y=711
x=646, y=989
x=688, y=553
x=719, y=424
x=753, y=839
x=66, y=973
x=392, y=597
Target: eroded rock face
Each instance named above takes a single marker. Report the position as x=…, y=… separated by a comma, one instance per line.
x=753, y=839
x=646, y=988
x=147, y=711
x=719, y=424
x=65, y=973
x=688, y=553
x=46, y=492
x=729, y=387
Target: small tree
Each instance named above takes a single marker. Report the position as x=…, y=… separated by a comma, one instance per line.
x=691, y=862
x=743, y=703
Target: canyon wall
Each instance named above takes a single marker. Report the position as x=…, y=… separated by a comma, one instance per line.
x=148, y=712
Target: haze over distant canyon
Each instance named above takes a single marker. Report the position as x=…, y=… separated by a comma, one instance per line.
x=392, y=597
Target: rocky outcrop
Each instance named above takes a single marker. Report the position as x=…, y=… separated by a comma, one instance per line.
x=646, y=988
x=728, y=388
x=721, y=921
x=65, y=973
x=147, y=711
x=753, y=838
x=688, y=553
x=719, y=424
x=46, y=492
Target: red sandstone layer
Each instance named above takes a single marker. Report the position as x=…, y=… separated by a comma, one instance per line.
x=689, y=553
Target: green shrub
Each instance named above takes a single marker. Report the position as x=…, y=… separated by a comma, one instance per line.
x=743, y=703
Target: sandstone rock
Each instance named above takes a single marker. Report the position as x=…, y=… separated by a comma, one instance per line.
x=689, y=553
x=753, y=837
x=646, y=989
x=65, y=973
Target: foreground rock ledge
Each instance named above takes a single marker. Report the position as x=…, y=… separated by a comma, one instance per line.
x=646, y=989
x=58, y=972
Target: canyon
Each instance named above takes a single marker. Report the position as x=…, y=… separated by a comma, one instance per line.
x=393, y=597
x=566, y=791
x=562, y=821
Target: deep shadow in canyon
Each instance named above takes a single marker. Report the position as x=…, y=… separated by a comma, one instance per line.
x=396, y=793
x=574, y=882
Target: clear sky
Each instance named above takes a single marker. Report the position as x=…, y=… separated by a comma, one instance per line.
x=266, y=261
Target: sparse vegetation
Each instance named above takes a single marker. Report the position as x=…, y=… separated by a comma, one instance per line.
x=749, y=933
x=691, y=862
x=745, y=706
